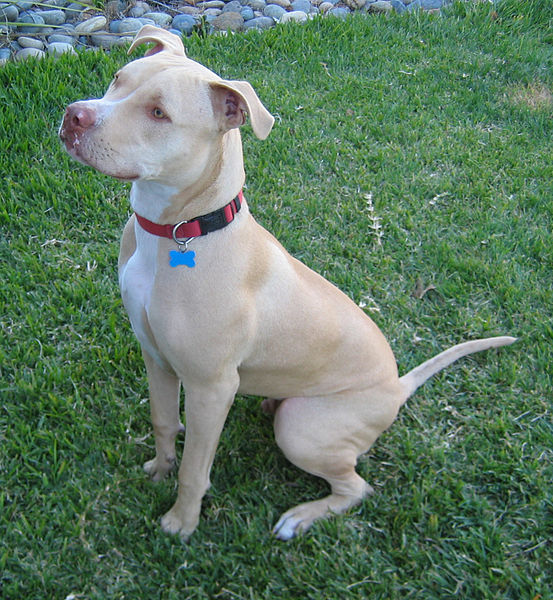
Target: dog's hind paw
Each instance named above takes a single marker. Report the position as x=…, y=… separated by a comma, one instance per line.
x=301, y=517
x=298, y=519
x=286, y=528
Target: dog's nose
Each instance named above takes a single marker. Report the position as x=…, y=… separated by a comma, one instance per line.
x=78, y=118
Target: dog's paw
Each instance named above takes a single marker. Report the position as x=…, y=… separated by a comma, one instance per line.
x=293, y=522
x=301, y=517
x=172, y=523
x=158, y=468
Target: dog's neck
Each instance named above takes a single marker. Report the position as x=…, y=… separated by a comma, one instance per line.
x=171, y=201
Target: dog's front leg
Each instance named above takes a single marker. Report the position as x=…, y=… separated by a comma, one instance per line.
x=164, y=410
x=206, y=411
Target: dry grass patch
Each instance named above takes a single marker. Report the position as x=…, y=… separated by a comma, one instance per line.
x=535, y=96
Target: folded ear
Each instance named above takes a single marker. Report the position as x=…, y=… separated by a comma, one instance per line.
x=232, y=100
x=163, y=40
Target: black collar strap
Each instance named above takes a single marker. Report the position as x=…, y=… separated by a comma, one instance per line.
x=195, y=227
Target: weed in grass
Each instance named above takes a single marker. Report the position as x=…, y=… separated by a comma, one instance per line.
x=438, y=122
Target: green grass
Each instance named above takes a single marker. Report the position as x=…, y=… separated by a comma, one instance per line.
x=447, y=123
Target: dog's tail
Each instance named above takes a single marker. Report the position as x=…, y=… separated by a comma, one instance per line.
x=416, y=377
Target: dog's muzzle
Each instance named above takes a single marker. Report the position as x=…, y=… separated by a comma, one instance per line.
x=78, y=119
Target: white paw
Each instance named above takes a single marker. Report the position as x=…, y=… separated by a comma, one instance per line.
x=172, y=523
x=291, y=523
x=158, y=469
x=285, y=529
x=301, y=517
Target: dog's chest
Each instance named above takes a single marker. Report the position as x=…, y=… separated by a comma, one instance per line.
x=137, y=276
x=136, y=280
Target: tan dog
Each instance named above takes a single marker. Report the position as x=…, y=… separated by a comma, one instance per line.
x=231, y=311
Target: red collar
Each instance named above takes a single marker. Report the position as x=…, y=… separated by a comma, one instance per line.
x=196, y=227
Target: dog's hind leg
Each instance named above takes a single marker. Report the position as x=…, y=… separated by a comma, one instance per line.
x=325, y=436
x=164, y=410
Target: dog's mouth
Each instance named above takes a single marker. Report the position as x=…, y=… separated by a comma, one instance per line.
x=81, y=152
x=72, y=142
x=126, y=177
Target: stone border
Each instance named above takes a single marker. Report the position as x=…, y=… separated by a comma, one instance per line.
x=35, y=29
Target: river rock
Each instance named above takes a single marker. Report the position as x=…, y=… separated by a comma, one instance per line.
x=91, y=25
x=247, y=13
x=52, y=17
x=233, y=6
x=302, y=6
x=184, y=23
x=159, y=18
x=339, y=11
x=258, y=5
x=29, y=42
x=259, y=23
x=8, y=12
x=190, y=10
x=211, y=4
x=4, y=55
x=115, y=25
x=34, y=21
x=274, y=11
x=60, y=38
x=425, y=4
x=380, y=6
x=26, y=53
x=399, y=6
x=297, y=16
x=226, y=21
x=124, y=40
x=130, y=25
x=103, y=40
x=60, y=48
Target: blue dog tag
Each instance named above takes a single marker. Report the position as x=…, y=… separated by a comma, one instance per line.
x=177, y=258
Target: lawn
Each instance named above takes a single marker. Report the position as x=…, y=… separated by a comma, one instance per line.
x=411, y=164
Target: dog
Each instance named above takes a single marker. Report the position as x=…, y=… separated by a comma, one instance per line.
x=217, y=303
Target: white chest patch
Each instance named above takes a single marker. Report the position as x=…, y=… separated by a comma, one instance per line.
x=137, y=276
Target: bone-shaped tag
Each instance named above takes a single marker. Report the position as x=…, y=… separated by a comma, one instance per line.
x=177, y=258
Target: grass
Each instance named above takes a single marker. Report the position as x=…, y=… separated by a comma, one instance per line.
x=445, y=124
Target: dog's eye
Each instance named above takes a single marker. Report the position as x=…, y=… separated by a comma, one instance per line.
x=158, y=113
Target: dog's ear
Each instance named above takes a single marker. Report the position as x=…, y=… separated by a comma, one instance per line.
x=163, y=40
x=232, y=100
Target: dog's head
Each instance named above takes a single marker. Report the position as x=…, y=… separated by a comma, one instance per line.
x=163, y=117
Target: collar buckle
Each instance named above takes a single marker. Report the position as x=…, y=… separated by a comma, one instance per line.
x=182, y=242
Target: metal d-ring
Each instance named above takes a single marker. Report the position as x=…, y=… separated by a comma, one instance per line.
x=181, y=241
